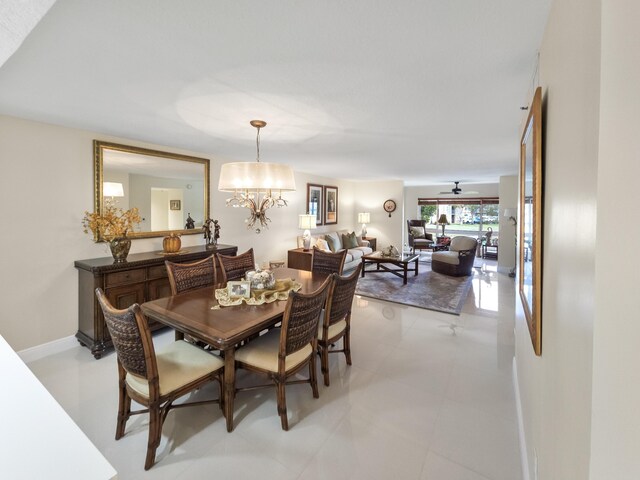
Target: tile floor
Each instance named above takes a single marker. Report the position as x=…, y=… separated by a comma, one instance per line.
x=429, y=396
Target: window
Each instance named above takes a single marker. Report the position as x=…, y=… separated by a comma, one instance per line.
x=469, y=216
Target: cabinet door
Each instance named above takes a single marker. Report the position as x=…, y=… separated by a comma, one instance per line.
x=159, y=288
x=125, y=295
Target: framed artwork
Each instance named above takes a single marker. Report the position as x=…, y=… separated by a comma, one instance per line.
x=314, y=201
x=330, y=205
x=530, y=218
x=237, y=289
x=174, y=204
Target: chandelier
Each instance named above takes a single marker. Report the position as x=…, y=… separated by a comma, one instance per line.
x=257, y=185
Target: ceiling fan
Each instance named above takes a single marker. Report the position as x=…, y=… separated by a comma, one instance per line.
x=458, y=191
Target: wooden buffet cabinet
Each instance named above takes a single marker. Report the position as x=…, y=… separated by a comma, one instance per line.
x=141, y=278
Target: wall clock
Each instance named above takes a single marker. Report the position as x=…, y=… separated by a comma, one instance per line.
x=389, y=206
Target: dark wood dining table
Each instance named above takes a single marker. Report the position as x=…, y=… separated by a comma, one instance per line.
x=193, y=313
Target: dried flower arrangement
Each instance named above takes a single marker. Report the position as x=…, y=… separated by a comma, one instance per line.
x=114, y=222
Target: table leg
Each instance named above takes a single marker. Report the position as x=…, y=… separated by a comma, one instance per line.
x=363, y=265
x=405, y=268
x=229, y=385
x=416, y=269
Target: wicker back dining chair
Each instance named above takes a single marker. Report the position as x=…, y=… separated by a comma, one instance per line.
x=153, y=379
x=335, y=322
x=283, y=352
x=234, y=267
x=325, y=262
x=191, y=276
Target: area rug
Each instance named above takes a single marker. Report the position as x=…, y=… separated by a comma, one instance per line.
x=429, y=290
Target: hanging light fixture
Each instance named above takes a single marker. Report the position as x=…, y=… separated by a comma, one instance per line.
x=257, y=185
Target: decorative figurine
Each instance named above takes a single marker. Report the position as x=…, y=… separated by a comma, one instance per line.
x=211, y=230
x=191, y=223
x=216, y=232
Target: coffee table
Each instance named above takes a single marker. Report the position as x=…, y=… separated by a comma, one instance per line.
x=401, y=261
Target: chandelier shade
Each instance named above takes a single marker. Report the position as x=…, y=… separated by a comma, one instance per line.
x=256, y=176
x=257, y=185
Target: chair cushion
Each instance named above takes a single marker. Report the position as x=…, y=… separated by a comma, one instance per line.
x=463, y=243
x=422, y=242
x=263, y=353
x=418, y=232
x=179, y=363
x=446, y=257
x=349, y=240
x=356, y=253
x=322, y=244
x=334, y=329
x=335, y=243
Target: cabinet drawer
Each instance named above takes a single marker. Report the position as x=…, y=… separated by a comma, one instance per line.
x=121, y=278
x=159, y=271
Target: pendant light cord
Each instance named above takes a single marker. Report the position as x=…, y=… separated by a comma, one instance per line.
x=258, y=144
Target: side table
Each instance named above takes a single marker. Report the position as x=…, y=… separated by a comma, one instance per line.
x=300, y=259
x=372, y=242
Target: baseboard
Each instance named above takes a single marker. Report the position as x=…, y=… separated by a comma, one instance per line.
x=40, y=351
x=524, y=459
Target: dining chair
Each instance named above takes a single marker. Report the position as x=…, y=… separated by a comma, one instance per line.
x=324, y=262
x=234, y=267
x=335, y=322
x=154, y=379
x=283, y=352
x=190, y=276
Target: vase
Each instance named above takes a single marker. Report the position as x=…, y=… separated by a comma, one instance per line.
x=120, y=248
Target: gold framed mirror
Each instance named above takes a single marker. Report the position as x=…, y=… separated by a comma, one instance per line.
x=170, y=190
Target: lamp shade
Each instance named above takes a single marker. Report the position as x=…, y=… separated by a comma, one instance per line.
x=443, y=220
x=112, y=189
x=364, y=217
x=509, y=212
x=306, y=222
x=257, y=176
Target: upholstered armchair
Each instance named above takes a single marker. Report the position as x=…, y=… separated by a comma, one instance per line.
x=419, y=239
x=458, y=261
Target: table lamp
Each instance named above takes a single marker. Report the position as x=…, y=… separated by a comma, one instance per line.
x=112, y=189
x=443, y=221
x=306, y=222
x=364, y=218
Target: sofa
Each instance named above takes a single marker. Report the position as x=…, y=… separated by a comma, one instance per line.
x=458, y=260
x=354, y=254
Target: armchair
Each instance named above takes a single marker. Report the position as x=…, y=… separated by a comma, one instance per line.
x=458, y=261
x=419, y=239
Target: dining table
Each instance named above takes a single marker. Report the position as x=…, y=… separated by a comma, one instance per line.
x=198, y=314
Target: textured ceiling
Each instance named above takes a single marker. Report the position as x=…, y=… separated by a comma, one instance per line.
x=427, y=91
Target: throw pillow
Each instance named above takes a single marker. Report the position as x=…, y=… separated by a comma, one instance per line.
x=417, y=232
x=334, y=243
x=323, y=245
x=349, y=240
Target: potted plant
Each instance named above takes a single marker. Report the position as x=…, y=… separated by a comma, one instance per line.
x=112, y=226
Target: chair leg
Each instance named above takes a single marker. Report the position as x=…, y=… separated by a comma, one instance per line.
x=346, y=340
x=324, y=363
x=155, y=431
x=124, y=410
x=313, y=379
x=282, y=403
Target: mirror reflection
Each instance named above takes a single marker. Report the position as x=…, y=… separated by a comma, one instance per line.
x=170, y=190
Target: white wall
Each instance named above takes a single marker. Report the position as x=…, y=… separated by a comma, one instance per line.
x=615, y=422
x=370, y=196
x=555, y=389
x=46, y=184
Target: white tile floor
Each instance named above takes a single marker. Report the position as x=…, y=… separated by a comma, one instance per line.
x=429, y=396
